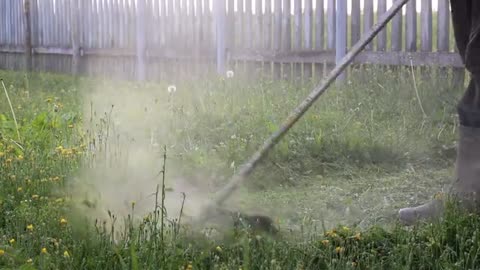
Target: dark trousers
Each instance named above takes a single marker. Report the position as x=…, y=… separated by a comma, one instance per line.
x=466, y=25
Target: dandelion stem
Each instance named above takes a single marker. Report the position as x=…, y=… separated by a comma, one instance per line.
x=11, y=108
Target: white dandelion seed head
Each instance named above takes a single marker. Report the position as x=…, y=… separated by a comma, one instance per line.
x=171, y=89
x=230, y=74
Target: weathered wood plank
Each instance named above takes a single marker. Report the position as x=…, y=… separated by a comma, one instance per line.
x=331, y=21
x=28, y=35
x=286, y=36
x=411, y=26
x=258, y=24
x=366, y=57
x=355, y=26
x=277, y=36
x=319, y=34
x=307, y=36
x=221, y=19
x=75, y=36
x=341, y=35
x=141, y=42
x=231, y=25
x=368, y=19
x=297, y=35
x=397, y=32
x=319, y=25
x=426, y=18
x=443, y=26
x=248, y=25
x=382, y=36
x=268, y=25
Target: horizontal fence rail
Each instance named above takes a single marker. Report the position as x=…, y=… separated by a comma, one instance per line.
x=161, y=39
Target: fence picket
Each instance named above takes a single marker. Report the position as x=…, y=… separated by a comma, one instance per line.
x=290, y=36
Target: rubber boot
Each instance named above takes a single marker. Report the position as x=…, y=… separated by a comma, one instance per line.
x=466, y=187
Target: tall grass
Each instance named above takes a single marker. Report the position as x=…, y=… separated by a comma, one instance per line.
x=365, y=142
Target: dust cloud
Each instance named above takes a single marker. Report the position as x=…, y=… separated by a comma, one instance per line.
x=126, y=130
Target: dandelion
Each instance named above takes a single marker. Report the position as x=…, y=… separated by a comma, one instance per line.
x=66, y=254
x=2, y=252
x=20, y=189
x=345, y=228
x=70, y=126
x=55, y=179
x=59, y=149
x=189, y=266
x=439, y=196
x=219, y=249
x=339, y=250
x=63, y=221
x=172, y=89
x=44, y=251
x=12, y=241
x=30, y=227
x=230, y=74
x=325, y=242
x=29, y=261
x=20, y=158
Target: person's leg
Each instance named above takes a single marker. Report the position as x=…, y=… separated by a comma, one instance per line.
x=466, y=22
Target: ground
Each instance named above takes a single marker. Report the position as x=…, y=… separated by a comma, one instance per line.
x=90, y=151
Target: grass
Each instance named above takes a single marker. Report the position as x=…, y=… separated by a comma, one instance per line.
x=82, y=188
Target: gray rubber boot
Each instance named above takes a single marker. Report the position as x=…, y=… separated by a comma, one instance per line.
x=465, y=189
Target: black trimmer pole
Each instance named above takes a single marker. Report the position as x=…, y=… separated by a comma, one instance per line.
x=294, y=116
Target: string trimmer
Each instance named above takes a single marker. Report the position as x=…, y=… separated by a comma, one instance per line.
x=296, y=114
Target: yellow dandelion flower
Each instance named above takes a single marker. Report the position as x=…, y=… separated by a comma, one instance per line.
x=55, y=179
x=70, y=126
x=20, y=158
x=345, y=228
x=339, y=250
x=59, y=148
x=20, y=189
x=29, y=261
x=219, y=249
x=439, y=196
x=189, y=267
x=44, y=251
x=66, y=254
x=12, y=241
x=30, y=227
x=63, y=221
x=2, y=252
x=325, y=242
x=35, y=196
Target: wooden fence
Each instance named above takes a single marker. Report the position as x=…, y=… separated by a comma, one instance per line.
x=161, y=39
